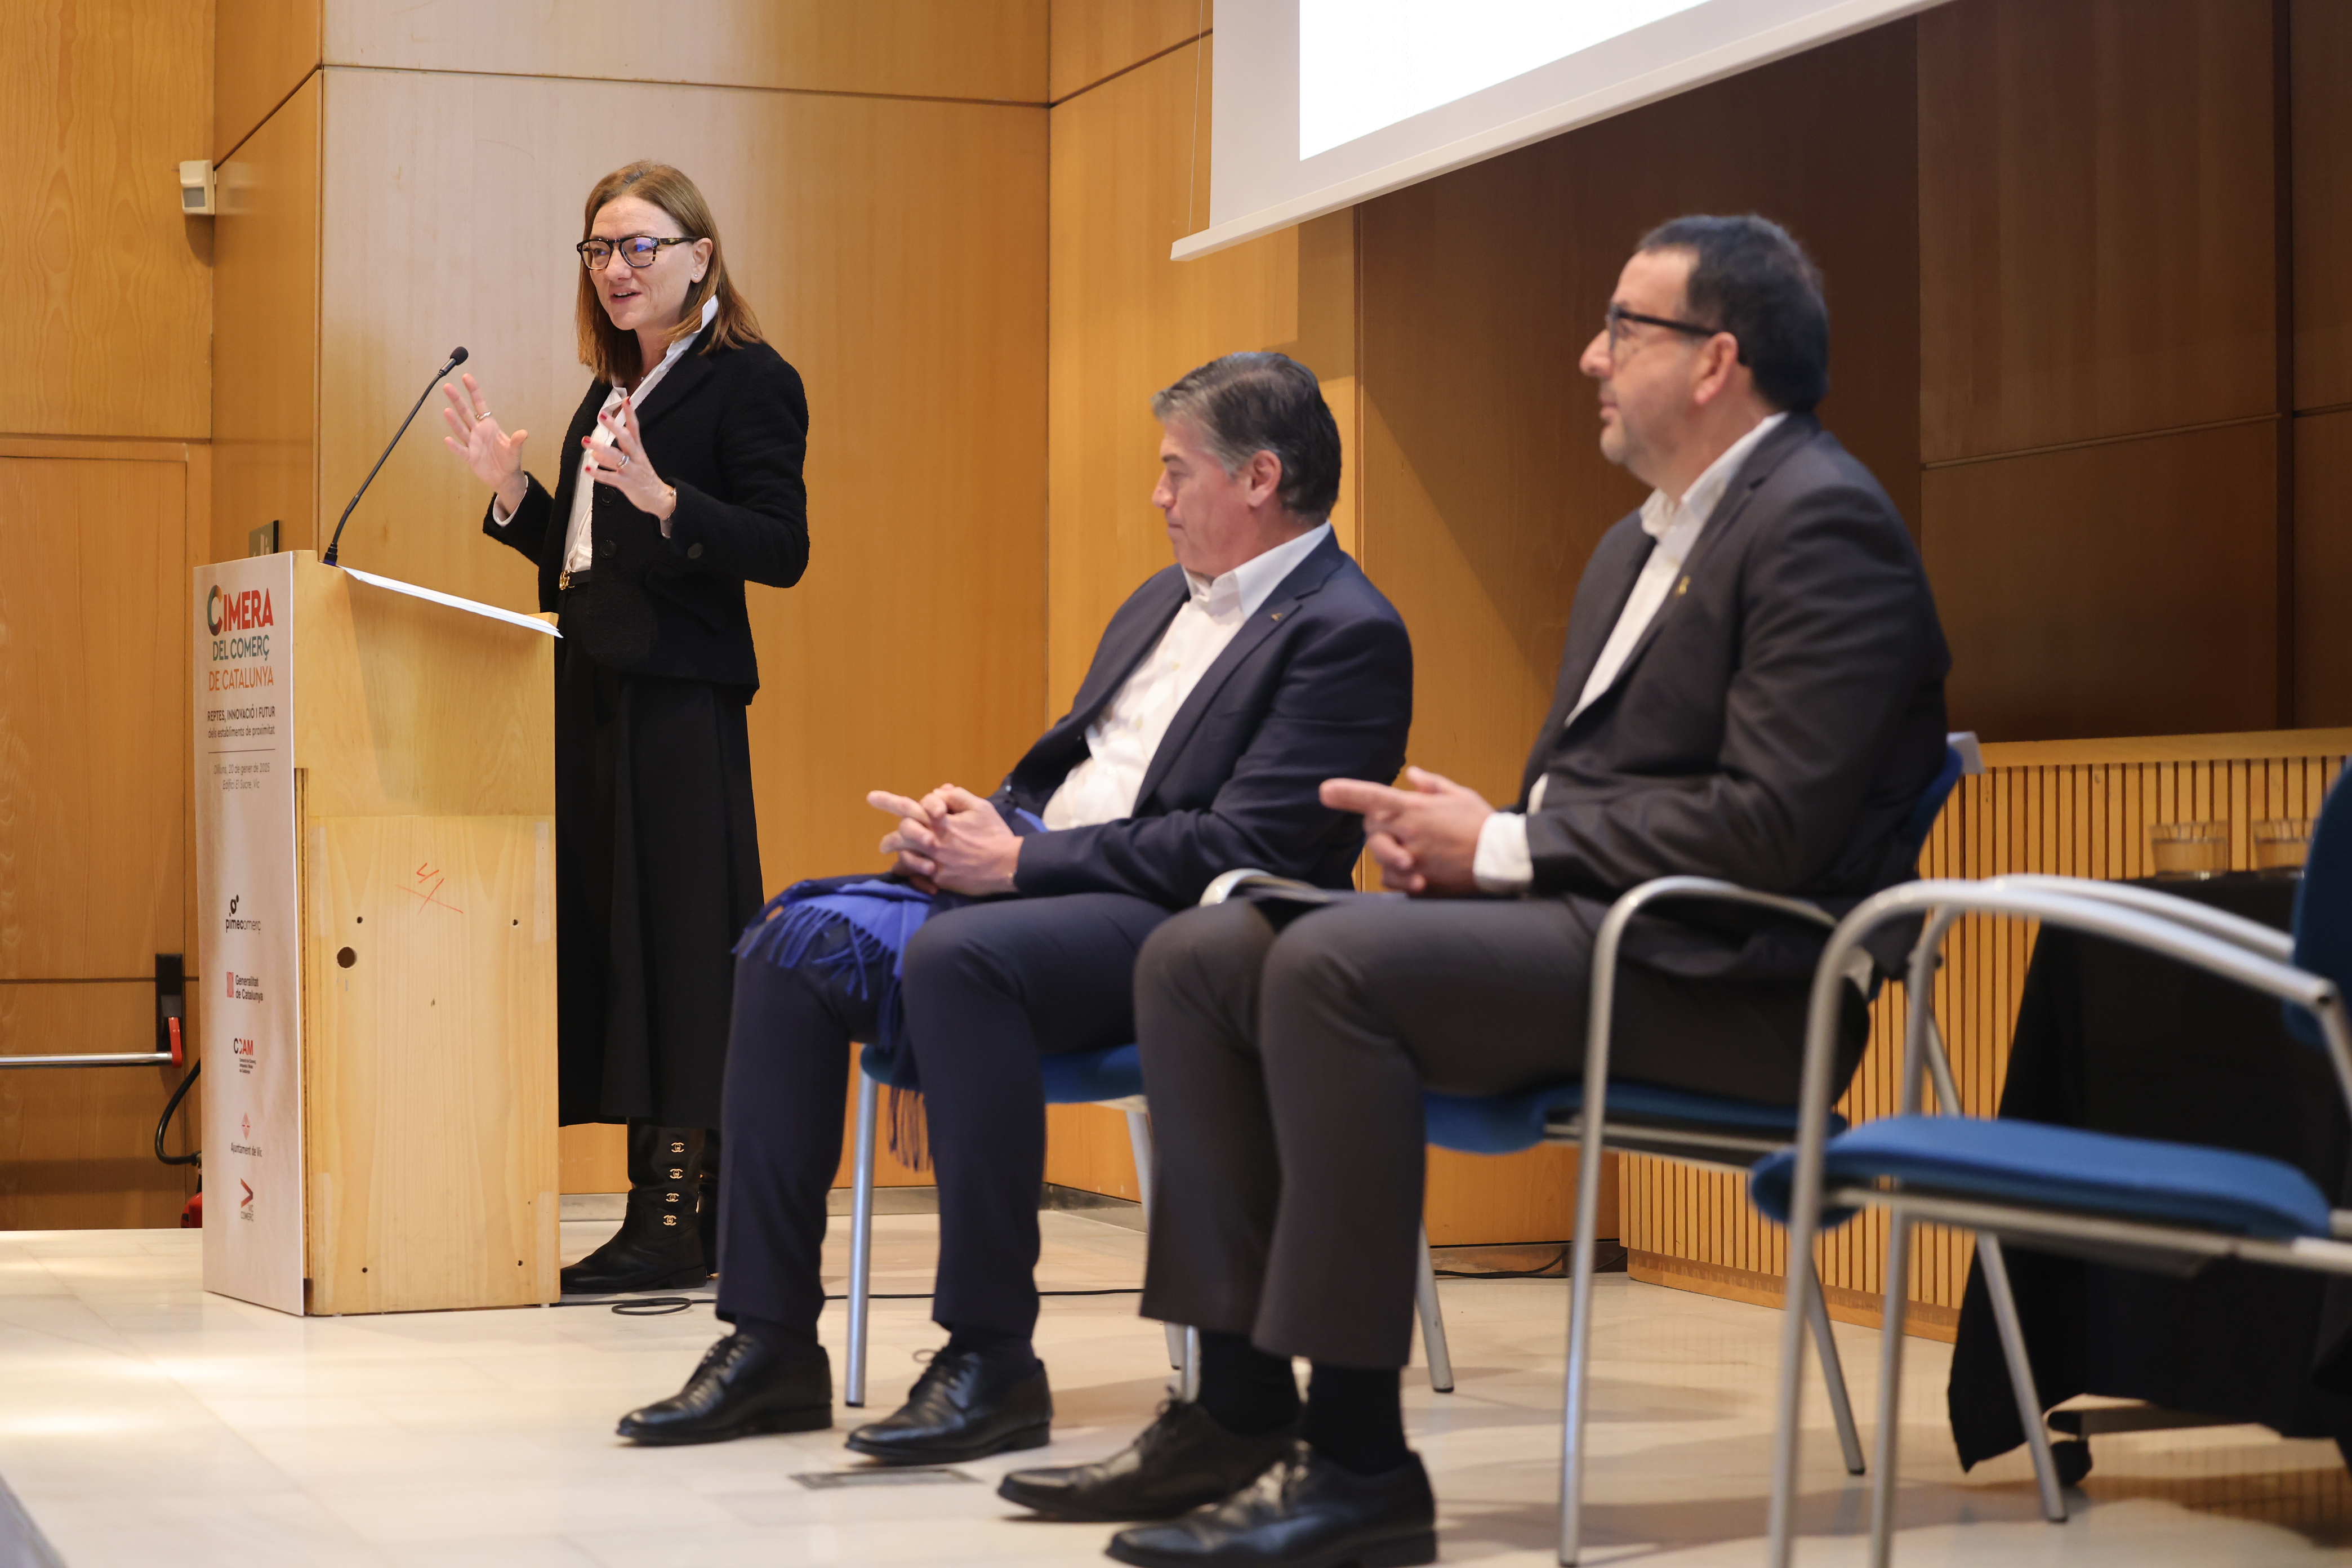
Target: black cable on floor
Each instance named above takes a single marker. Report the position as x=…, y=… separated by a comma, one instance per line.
x=1549, y=1271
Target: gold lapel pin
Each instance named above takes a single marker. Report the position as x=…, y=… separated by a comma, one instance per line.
x=1681, y=587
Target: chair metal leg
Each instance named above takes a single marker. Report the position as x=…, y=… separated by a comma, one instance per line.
x=1580, y=1326
x=1433, y=1322
x=861, y=1241
x=1890, y=1389
x=2020, y=1377
x=1181, y=1354
x=1188, y=1364
x=2005, y=1312
x=1833, y=1374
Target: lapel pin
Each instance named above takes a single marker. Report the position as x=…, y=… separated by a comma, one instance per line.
x=1681, y=587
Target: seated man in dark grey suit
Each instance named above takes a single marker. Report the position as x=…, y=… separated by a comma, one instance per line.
x=1223, y=691
x=1751, y=688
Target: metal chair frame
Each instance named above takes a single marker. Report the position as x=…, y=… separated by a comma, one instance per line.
x=1183, y=1343
x=2221, y=943
x=1594, y=1132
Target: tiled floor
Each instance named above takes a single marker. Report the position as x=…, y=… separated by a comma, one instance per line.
x=144, y=1423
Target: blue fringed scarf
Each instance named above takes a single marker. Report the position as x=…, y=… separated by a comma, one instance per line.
x=879, y=916
x=882, y=915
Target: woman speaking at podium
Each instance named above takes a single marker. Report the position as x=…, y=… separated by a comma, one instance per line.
x=680, y=481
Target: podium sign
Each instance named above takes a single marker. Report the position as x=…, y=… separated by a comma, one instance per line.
x=251, y=1028
x=375, y=869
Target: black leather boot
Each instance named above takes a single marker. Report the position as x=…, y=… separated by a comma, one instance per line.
x=705, y=1212
x=658, y=1246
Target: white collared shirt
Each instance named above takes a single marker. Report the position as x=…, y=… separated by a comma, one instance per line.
x=1502, y=864
x=579, y=532
x=1131, y=726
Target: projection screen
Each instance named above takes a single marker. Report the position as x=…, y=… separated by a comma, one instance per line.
x=1319, y=104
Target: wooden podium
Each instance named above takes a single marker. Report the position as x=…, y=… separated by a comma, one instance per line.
x=376, y=830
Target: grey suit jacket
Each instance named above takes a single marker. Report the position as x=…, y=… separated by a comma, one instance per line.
x=1774, y=726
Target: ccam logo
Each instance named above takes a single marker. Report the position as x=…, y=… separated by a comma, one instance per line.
x=213, y=619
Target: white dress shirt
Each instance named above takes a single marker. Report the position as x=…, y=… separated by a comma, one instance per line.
x=1502, y=864
x=579, y=533
x=1124, y=735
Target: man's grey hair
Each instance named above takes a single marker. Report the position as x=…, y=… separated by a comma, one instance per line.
x=1250, y=403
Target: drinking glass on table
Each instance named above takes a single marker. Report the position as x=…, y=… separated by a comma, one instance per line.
x=2282, y=845
x=2189, y=851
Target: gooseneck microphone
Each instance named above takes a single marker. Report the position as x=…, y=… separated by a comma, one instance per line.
x=457, y=358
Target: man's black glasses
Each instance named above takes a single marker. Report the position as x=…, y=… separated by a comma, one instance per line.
x=1618, y=317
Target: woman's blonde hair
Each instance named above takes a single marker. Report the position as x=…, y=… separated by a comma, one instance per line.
x=611, y=353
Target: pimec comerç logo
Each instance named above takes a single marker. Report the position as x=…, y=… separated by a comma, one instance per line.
x=235, y=621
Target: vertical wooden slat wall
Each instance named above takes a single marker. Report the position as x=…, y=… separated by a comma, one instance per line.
x=2076, y=809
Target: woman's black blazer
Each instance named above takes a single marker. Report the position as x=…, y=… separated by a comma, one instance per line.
x=730, y=430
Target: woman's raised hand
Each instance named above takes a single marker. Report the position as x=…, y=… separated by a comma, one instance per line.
x=495, y=456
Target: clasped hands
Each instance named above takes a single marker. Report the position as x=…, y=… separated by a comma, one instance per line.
x=1425, y=837
x=950, y=841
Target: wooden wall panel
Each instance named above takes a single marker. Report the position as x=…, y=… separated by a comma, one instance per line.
x=1087, y=1147
x=2123, y=589
x=1125, y=321
x=1092, y=39
x=262, y=50
x=930, y=49
x=93, y=717
x=2322, y=565
x=109, y=315
x=2096, y=220
x=265, y=352
x=1486, y=490
x=94, y=815
x=901, y=268
x=2063, y=809
x=76, y=1144
x=2321, y=54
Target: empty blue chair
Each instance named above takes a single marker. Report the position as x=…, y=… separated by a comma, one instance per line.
x=2058, y=1188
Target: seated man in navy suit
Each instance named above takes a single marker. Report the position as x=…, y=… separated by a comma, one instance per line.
x=1224, y=692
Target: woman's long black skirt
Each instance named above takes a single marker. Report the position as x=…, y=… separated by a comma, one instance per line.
x=657, y=872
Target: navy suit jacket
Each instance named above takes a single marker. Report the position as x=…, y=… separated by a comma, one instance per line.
x=1317, y=684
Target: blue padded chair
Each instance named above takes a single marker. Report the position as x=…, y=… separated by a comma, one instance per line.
x=1111, y=1078
x=1706, y=1130
x=2058, y=1188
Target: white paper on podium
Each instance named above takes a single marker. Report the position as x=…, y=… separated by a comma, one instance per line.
x=248, y=947
x=473, y=606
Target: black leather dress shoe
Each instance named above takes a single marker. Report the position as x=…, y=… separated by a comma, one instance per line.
x=1305, y=1512
x=1182, y=1461
x=745, y=1384
x=966, y=1405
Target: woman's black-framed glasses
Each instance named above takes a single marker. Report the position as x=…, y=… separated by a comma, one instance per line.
x=636, y=249
x=1618, y=318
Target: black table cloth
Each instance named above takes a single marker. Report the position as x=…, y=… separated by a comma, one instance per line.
x=2119, y=1040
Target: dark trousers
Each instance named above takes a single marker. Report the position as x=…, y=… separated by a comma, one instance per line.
x=988, y=989
x=1285, y=1066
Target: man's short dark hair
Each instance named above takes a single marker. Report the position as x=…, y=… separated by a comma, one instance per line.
x=1751, y=278
x=1251, y=403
